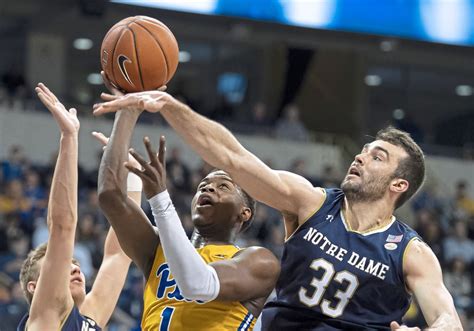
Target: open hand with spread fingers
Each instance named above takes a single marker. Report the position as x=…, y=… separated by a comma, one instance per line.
x=151, y=101
x=153, y=173
x=66, y=119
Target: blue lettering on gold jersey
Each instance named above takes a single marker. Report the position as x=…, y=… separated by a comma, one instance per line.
x=166, y=283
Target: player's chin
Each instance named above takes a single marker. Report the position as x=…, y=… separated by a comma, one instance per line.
x=77, y=286
x=78, y=291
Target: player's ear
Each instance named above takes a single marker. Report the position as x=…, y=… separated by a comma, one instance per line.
x=246, y=214
x=31, y=287
x=399, y=185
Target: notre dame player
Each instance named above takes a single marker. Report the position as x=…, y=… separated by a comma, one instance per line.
x=348, y=263
x=52, y=281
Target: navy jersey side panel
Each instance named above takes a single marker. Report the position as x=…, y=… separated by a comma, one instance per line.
x=333, y=278
x=74, y=322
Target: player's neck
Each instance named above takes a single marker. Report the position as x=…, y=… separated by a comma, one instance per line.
x=200, y=239
x=365, y=216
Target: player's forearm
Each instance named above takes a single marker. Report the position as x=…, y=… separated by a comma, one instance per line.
x=211, y=140
x=62, y=206
x=112, y=173
x=195, y=279
x=447, y=321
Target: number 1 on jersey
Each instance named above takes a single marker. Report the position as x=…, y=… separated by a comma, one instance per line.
x=166, y=315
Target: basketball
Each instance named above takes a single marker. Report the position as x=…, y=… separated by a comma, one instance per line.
x=139, y=53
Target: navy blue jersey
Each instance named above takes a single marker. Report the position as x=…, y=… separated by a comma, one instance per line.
x=74, y=322
x=333, y=278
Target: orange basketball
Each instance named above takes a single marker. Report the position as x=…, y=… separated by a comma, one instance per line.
x=139, y=53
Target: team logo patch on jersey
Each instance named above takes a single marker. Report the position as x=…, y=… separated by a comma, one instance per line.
x=394, y=239
x=390, y=246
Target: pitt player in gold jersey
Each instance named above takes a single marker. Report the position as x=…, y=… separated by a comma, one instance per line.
x=214, y=287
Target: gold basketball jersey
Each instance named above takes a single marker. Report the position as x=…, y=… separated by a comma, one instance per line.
x=166, y=309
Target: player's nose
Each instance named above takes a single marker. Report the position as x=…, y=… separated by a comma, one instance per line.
x=359, y=159
x=208, y=188
x=75, y=269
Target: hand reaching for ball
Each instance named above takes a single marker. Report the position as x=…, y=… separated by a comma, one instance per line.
x=151, y=101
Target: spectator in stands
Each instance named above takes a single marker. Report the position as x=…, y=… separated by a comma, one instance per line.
x=459, y=245
x=35, y=193
x=433, y=236
x=179, y=173
x=464, y=204
x=10, y=262
x=14, y=202
x=458, y=281
x=290, y=127
x=13, y=166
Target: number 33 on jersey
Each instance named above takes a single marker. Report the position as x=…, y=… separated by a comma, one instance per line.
x=334, y=278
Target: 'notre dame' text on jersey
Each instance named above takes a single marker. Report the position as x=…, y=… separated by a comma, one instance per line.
x=333, y=278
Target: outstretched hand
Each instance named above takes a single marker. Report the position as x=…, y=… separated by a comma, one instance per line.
x=66, y=119
x=151, y=101
x=153, y=174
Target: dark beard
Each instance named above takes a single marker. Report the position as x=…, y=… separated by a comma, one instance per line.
x=372, y=190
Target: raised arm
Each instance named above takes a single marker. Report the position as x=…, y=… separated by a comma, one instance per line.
x=287, y=192
x=134, y=231
x=425, y=280
x=52, y=298
x=250, y=274
x=100, y=302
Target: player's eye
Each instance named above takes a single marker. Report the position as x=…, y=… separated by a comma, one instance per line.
x=377, y=158
x=224, y=186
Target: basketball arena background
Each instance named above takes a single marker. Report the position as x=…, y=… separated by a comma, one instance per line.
x=303, y=83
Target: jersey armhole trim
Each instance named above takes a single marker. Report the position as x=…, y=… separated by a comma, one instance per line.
x=65, y=319
x=310, y=215
x=403, y=263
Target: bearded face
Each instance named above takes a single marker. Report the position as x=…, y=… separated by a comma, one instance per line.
x=367, y=188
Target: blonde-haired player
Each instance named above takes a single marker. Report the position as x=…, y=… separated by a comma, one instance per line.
x=51, y=279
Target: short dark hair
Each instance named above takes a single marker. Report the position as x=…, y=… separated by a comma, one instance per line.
x=250, y=203
x=412, y=167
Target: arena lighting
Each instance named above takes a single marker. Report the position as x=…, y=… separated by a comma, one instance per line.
x=310, y=13
x=373, y=80
x=184, y=56
x=388, y=45
x=448, y=21
x=464, y=90
x=398, y=114
x=94, y=79
x=83, y=44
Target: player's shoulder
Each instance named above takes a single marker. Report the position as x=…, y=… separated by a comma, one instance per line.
x=419, y=259
x=399, y=226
